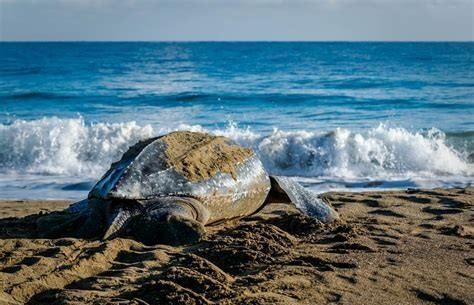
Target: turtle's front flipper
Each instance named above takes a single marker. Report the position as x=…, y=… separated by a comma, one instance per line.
x=304, y=199
x=116, y=222
x=118, y=217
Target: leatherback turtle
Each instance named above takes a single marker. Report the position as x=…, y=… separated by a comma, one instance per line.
x=166, y=189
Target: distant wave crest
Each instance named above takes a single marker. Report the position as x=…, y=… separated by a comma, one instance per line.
x=54, y=146
x=35, y=95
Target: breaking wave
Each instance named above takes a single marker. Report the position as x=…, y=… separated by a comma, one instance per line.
x=71, y=147
x=53, y=146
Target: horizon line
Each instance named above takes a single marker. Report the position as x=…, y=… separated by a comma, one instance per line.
x=234, y=41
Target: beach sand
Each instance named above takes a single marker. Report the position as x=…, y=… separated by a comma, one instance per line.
x=397, y=247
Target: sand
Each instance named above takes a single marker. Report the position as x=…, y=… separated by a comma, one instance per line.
x=199, y=156
x=404, y=247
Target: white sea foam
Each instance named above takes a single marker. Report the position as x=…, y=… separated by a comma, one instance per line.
x=54, y=146
x=378, y=152
x=72, y=148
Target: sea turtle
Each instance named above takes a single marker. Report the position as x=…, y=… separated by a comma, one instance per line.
x=166, y=189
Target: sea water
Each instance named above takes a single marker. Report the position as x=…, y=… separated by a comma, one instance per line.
x=336, y=116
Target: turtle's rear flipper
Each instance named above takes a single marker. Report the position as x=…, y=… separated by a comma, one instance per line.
x=78, y=207
x=304, y=199
x=58, y=224
x=78, y=220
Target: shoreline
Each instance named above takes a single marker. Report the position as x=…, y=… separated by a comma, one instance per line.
x=411, y=246
x=57, y=204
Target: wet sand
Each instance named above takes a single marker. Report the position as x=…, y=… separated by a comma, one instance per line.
x=403, y=247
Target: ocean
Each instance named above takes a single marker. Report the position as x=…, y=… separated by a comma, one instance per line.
x=336, y=116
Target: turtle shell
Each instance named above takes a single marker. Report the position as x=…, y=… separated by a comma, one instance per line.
x=212, y=169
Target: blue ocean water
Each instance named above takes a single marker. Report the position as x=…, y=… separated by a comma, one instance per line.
x=333, y=115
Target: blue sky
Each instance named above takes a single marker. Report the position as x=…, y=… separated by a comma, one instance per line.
x=237, y=20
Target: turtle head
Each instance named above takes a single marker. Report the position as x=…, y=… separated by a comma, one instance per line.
x=169, y=220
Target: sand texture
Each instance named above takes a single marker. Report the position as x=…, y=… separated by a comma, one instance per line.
x=406, y=247
x=199, y=156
